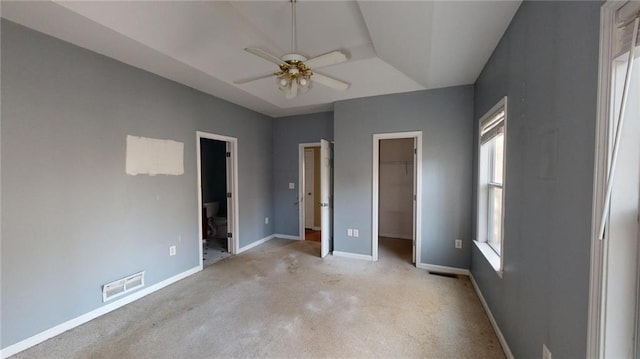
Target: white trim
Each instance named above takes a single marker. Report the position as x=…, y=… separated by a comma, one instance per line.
x=301, y=147
x=316, y=228
x=443, y=269
x=256, y=243
x=235, y=240
x=491, y=256
x=352, y=255
x=494, y=324
x=417, y=221
x=287, y=236
x=70, y=324
x=502, y=104
x=598, y=261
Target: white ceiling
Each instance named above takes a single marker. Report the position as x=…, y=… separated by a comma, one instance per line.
x=395, y=46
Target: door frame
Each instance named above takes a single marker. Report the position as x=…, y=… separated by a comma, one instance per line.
x=417, y=219
x=232, y=186
x=301, y=184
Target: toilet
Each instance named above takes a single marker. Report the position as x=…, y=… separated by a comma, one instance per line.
x=217, y=225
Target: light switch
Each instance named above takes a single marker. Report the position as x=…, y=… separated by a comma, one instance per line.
x=292, y=185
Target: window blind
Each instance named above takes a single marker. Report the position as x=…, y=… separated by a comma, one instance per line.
x=492, y=127
x=624, y=21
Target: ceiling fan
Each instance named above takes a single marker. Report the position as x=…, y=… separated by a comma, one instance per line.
x=297, y=73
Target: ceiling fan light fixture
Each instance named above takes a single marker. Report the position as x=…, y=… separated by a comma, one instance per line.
x=295, y=72
x=304, y=83
x=283, y=81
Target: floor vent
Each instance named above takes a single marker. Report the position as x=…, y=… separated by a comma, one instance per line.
x=122, y=286
x=448, y=275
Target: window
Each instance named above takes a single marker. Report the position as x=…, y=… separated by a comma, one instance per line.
x=491, y=164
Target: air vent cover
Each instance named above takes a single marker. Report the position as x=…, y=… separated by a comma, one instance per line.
x=122, y=286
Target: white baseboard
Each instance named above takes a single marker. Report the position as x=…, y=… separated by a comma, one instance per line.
x=287, y=236
x=494, y=324
x=398, y=236
x=70, y=324
x=443, y=269
x=316, y=228
x=352, y=255
x=256, y=243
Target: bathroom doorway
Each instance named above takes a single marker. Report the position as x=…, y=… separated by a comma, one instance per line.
x=217, y=199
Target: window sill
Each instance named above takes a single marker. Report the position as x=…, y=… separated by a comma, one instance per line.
x=491, y=256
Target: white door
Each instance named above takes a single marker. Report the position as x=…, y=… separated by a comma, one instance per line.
x=415, y=191
x=230, y=208
x=326, y=201
x=309, y=198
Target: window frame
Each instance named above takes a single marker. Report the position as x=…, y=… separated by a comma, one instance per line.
x=486, y=186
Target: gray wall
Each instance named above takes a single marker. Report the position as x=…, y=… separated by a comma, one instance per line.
x=288, y=132
x=71, y=219
x=446, y=118
x=547, y=65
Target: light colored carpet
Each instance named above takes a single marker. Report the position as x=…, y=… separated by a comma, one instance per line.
x=281, y=300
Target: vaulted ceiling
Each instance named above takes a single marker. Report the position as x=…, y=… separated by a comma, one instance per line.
x=394, y=46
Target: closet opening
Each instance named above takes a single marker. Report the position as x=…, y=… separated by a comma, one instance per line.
x=396, y=190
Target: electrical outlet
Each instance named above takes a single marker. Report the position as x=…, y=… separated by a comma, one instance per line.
x=546, y=353
x=349, y=232
x=172, y=251
x=355, y=232
x=292, y=185
x=458, y=243
x=266, y=220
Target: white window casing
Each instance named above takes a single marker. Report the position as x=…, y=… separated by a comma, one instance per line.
x=491, y=173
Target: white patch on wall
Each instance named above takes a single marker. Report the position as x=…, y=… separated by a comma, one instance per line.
x=150, y=156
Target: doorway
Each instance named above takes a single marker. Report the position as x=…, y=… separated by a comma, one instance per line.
x=309, y=191
x=315, y=193
x=395, y=206
x=217, y=197
x=311, y=179
x=396, y=186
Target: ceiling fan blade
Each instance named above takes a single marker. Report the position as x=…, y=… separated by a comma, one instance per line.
x=265, y=55
x=330, y=82
x=254, y=78
x=293, y=92
x=331, y=58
